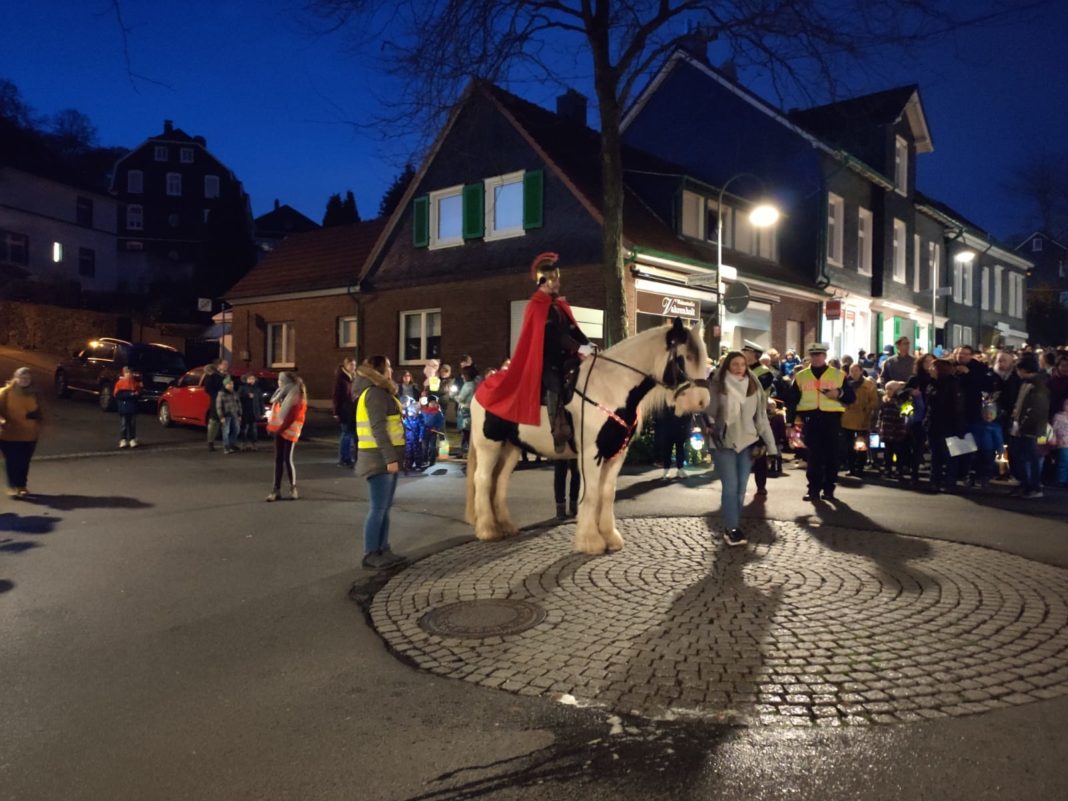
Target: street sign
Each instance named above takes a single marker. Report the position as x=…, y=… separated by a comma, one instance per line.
x=832, y=309
x=204, y=304
x=736, y=298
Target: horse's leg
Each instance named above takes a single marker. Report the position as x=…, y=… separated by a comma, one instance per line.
x=485, y=464
x=587, y=538
x=506, y=463
x=472, y=466
x=606, y=517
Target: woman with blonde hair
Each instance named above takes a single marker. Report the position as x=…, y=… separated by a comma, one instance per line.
x=737, y=424
x=289, y=407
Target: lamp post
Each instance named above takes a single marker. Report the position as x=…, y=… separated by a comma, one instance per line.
x=761, y=216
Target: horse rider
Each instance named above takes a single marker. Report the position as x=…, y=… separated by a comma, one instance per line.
x=822, y=394
x=546, y=359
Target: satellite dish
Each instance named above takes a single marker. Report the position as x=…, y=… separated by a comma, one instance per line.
x=736, y=298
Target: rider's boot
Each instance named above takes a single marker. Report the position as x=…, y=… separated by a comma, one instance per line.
x=558, y=422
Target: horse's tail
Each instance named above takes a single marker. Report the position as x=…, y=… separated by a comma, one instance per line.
x=472, y=465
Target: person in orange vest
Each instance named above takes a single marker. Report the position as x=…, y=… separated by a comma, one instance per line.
x=127, y=395
x=822, y=394
x=289, y=407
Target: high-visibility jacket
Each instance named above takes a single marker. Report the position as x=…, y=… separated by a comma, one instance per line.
x=758, y=371
x=812, y=399
x=296, y=425
x=365, y=436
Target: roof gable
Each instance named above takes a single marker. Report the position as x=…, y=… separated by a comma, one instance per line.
x=867, y=111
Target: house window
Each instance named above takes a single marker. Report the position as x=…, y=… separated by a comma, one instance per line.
x=14, y=248
x=969, y=284
x=174, y=184
x=135, y=218
x=205, y=214
x=900, y=253
x=281, y=345
x=693, y=217
x=864, y=241
x=1062, y=270
x=211, y=186
x=57, y=252
x=186, y=155
x=744, y=234
x=420, y=335
x=934, y=258
x=917, y=255
x=504, y=206
x=958, y=282
x=83, y=212
x=835, y=229
x=712, y=223
x=984, y=290
x=446, y=217
x=767, y=242
x=901, y=165
x=86, y=262
x=161, y=153
x=1036, y=245
x=998, y=272
x=346, y=332
x=135, y=182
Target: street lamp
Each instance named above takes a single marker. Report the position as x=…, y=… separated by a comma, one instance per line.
x=761, y=216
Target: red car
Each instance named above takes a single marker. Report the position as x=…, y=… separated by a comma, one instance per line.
x=186, y=402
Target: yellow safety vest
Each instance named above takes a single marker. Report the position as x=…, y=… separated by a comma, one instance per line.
x=810, y=386
x=758, y=371
x=365, y=435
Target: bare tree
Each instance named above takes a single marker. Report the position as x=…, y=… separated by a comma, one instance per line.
x=1040, y=182
x=434, y=48
x=72, y=132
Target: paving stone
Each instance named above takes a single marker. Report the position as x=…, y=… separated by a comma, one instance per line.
x=807, y=634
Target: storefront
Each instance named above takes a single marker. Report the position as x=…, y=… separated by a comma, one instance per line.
x=659, y=302
x=847, y=326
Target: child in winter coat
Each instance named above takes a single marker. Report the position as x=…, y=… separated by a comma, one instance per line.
x=777, y=421
x=1060, y=442
x=893, y=429
x=250, y=396
x=434, y=426
x=990, y=440
x=127, y=394
x=228, y=408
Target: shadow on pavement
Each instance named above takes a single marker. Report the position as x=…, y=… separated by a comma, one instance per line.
x=16, y=546
x=27, y=524
x=68, y=503
x=6, y=585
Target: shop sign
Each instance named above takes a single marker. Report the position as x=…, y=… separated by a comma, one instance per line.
x=669, y=305
x=832, y=310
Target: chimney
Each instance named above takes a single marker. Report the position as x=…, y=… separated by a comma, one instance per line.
x=168, y=126
x=276, y=204
x=695, y=42
x=572, y=106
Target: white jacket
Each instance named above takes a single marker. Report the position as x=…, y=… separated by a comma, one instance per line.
x=754, y=407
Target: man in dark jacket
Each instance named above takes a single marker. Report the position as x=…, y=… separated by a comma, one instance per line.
x=1030, y=418
x=974, y=378
x=344, y=408
x=212, y=383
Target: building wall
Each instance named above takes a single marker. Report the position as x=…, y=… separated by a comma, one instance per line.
x=45, y=211
x=805, y=311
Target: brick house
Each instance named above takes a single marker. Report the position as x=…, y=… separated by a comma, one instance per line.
x=845, y=175
x=296, y=310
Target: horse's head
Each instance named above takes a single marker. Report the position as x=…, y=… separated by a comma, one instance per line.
x=686, y=368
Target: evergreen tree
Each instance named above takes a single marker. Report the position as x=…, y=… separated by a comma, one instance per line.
x=351, y=215
x=340, y=212
x=392, y=198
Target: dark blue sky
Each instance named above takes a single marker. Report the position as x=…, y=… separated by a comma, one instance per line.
x=274, y=100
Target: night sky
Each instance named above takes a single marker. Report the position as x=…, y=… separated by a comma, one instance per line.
x=274, y=98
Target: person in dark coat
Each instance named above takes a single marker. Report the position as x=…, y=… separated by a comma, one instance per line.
x=250, y=396
x=344, y=408
x=1030, y=420
x=945, y=418
x=212, y=383
x=915, y=414
x=974, y=379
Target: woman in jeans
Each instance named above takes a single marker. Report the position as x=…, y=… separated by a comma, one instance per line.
x=737, y=422
x=380, y=442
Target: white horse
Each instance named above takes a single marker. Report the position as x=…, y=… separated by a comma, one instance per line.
x=613, y=391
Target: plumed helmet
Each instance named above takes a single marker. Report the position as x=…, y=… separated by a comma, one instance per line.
x=544, y=267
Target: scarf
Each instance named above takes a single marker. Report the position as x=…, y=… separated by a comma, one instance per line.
x=288, y=393
x=737, y=390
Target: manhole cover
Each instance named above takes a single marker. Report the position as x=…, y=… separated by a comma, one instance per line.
x=476, y=619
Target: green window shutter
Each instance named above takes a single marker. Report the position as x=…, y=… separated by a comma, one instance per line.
x=879, y=344
x=474, y=211
x=897, y=329
x=421, y=221
x=533, y=199
x=915, y=333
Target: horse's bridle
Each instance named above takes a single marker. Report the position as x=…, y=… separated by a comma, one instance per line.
x=679, y=381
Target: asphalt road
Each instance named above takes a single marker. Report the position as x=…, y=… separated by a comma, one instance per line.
x=165, y=634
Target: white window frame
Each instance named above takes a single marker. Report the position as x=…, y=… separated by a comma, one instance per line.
x=766, y=242
x=693, y=214
x=435, y=200
x=900, y=254
x=491, y=184
x=835, y=230
x=135, y=217
x=984, y=289
x=289, y=344
x=728, y=223
x=211, y=182
x=917, y=261
x=865, y=240
x=958, y=282
x=174, y=182
x=969, y=284
x=934, y=263
x=1036, y=245
x=999, y=272
x=901, y=165
x=139, y=183
x=344, y=324
x=160, y=153
x=401, y=317
x=185, y=155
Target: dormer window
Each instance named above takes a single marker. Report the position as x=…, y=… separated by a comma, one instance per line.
x=901, y=165
x=1036, y=245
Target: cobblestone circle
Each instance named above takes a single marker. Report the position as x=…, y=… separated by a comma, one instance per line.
x=806, y=626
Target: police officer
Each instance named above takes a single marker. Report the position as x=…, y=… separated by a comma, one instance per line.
x=822, y=394
x=752, y=352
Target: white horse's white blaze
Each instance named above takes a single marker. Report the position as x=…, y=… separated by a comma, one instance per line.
x=615, y=383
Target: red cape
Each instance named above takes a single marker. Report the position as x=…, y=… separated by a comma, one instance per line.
x=515, y=394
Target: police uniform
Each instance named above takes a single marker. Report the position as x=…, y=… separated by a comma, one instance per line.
x=822, y=418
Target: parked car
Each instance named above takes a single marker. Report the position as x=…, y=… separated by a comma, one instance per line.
x=186, y=401
x=94, y=369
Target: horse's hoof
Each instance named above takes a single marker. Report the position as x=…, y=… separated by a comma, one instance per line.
x=487, y=534
x=594, y=546
x=508, y=530
x=614, y=541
